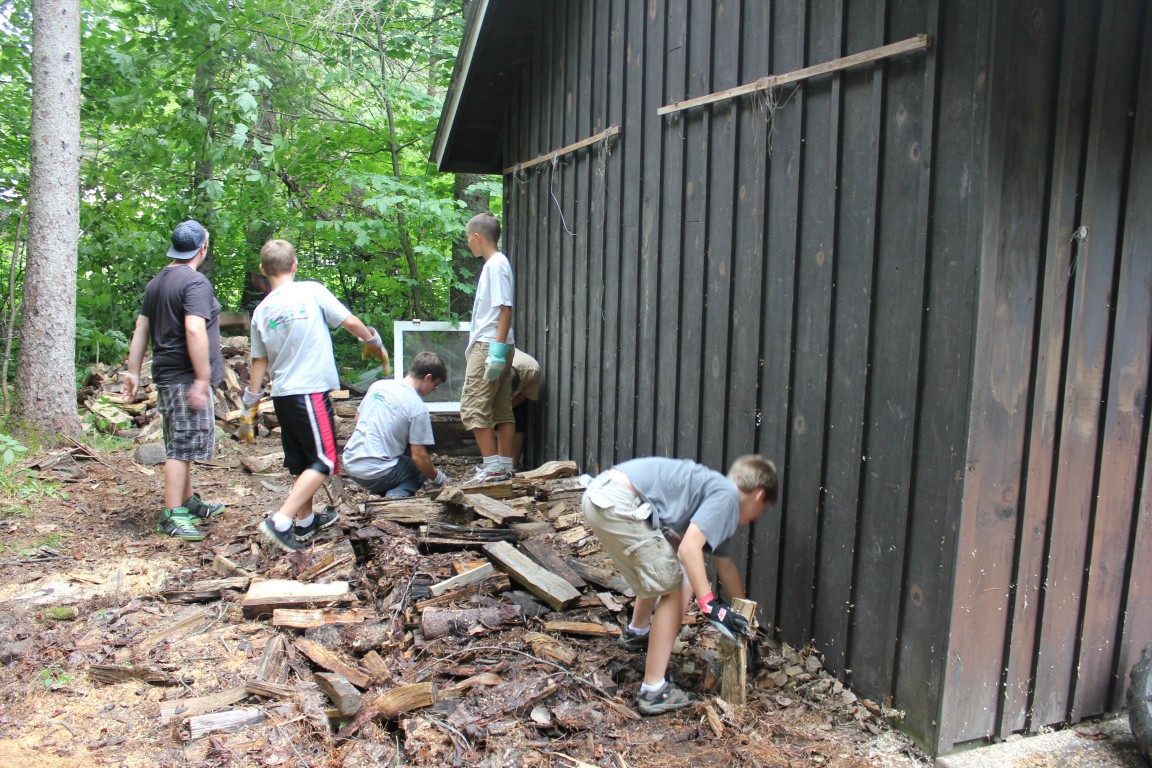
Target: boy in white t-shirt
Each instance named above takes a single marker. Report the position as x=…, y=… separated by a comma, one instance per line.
x=486, y=400
x=387, y=452
x=291, y=340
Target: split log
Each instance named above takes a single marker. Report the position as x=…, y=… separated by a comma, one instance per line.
x=208, y=590
x=258, y=465
x=464, y=579
x=489, y=586
x=318, y=617
x=200, y=705
x=582, y=628
x=376, y=667
x=461, y=536
x=734, y=660
x=453, y=494
x=493, y=509
x=549, y=587
x=569, y=520
x=265, y=596
x=549, y=470
x=333, y=663
x=232, y=720
x=273, y=665
x=267, y=690
x=549, y=648
x=437, y=622
x=541, y=551
x=414, y=511
x=601, y=577
x=343, y=695
x=389, y=704
x=186, y=622
x=114, y=673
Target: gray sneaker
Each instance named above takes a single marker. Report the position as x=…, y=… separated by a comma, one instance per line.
x=668, y=698
x=285, y=540
x=320, y=521
x=630, y=641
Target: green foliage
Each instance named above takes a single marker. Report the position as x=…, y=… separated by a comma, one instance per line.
x=10, y=448
x=54, y=677
x=20, y=488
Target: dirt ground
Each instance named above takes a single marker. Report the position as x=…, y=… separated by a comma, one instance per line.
x=82, y=582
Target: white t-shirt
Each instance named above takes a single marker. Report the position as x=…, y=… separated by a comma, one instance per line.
x=291, y=329
x=392, y=416
x=495, y=289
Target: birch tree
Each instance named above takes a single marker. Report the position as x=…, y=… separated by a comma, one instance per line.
x=45, y=384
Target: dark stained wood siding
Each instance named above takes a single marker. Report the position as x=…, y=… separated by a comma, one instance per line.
x=871, y=279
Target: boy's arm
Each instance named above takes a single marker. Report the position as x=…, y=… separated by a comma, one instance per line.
x=504, y=324
x=196, y=334
x=424, y=463
x=136, y=355
x=691, y=553
x=729, y=577
x=256, y=374
x=356, y=327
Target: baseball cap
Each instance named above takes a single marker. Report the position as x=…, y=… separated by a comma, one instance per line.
x=187, y=239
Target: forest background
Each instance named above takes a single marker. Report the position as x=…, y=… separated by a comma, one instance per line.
x=309, y=121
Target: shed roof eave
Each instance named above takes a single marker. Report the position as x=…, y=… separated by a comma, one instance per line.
x=446, y=128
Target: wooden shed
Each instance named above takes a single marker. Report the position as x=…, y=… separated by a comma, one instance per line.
x=903, y=248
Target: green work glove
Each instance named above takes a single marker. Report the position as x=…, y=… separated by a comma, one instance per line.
x=497, y=360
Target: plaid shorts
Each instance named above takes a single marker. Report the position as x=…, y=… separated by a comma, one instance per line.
x=189, y=433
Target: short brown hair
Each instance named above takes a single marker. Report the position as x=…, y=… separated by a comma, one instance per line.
x=277, y=257
x=427, y=363
x=486, y=225
x=754, y=471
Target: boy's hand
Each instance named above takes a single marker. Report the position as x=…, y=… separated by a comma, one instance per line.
x=374, y=347
x=723, y=617
x=497, y=360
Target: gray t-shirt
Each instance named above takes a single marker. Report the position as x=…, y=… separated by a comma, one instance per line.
x=683, y=492
x=291, y=329
x=392, y=416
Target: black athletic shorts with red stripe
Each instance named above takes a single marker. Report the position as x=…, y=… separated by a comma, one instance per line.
x=308, y=432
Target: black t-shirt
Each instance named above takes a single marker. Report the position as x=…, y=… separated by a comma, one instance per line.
x=174, y=293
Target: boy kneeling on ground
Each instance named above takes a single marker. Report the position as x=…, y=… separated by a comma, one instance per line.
x=655, y=518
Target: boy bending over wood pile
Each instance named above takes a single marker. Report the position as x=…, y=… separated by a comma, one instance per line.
x=655, y=518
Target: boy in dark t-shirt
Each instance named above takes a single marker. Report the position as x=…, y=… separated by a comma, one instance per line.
x=181, y=317
x=656, y=518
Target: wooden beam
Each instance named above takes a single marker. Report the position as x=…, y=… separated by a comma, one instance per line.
x=548, y=156
x=917, y=43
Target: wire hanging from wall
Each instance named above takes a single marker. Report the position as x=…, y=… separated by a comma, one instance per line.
x=552, y=191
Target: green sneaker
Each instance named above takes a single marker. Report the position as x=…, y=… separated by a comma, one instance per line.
x=197, y=507
x=177, y=522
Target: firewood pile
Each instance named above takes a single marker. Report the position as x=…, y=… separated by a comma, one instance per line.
x=431, y=631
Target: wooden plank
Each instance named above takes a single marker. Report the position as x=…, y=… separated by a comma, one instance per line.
x=492, y=509
x=541, y=551
x=200, y=705
x=319, y=617
x=581, y=628
x=920, y=42
x=343, y=695
x=333, y=662
x=270, y=594
x=116, y=673
x=231, y=720
x=206, y=590
x=464, y=579
x=185, y=623
x=413, y=511
x=547, y=586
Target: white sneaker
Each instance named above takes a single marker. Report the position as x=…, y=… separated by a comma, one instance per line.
x=488, y=475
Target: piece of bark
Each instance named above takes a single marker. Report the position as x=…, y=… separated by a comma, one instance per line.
x=325, y=658
x=464, y=579
x=574, y=535
x=541, y=551
x=273, y=665
x=225, y=567
x=601, y=577
x=259, y=465
x=183, y=624
x=493, y=509
x=231, y=720
x=318, y=617
x=200, y=705
x=549, y=587
x=582, y=628
x=609, y=601
x=265, y=596
x=343, y=695
x=549, y=470
x=489, y=586
x=569, y=520
x=114, y=673
x=376, y=666
x=461, y=536
x=551, y=649
x=734, y=660
x=207, y=590
x=437, y=622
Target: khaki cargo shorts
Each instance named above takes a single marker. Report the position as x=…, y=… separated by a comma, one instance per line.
x=483, y=403
x=622, y=522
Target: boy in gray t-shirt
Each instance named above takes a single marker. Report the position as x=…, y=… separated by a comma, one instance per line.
x=656, y=518
x=388, y=451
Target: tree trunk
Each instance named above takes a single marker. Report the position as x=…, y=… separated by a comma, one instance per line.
x=45, y=376
x=466, y=266
x=204, y=213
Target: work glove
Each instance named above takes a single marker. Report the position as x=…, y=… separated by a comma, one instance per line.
x=374, y=347
x=497, y=360
x=728, y=621
x=440, y=479
x=247, y=431
x=250, y=398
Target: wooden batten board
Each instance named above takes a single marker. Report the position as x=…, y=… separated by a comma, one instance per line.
x=920, y=42
x=267, y=595
x=549, y=156
x=547, y=586
x=230, y=720
x=319, y=617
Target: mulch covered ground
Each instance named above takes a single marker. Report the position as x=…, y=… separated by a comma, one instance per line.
x=121, y=647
